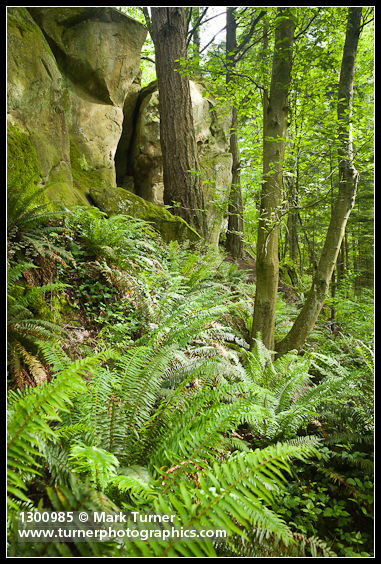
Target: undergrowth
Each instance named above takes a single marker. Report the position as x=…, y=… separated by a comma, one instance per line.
x=162, y=407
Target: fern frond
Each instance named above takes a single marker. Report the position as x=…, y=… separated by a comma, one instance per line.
x=137, y=482
x=232, y=496
x=29, y=415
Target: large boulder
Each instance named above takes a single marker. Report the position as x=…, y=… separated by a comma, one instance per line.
x=71, y=71
x=98, y=49
x=98, y=53
x=213, y=141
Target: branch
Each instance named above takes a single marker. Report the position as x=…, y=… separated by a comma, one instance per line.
x=249, y=34
x=148, y=59
x=188, y=11
x=307, y=26
x=249, y=47
x=366, y=22
x=213, y=38
x=196, y=25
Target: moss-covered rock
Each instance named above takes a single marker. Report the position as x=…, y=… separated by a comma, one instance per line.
x=120, y=201
x=66, y=194
x=24, y=171
x=35, y=91
x=84, y=176
x=98, y=54
x=22, y=162
x=69, y=73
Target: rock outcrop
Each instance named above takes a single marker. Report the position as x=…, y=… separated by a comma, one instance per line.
x=78, y=118
x=70, y=70
x=37, y=101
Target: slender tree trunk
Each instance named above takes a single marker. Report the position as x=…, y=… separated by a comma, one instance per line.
x=181, y=170
x=275, y=119
x=292, y=239
x=235, y=233
x=348, y=180
x=196, y=35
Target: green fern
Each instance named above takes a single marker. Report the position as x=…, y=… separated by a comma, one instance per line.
x=24, y=330
x=135, y=482
x=99, y=464
x=32, y=224
x=76, y=496
x=285, y=388
x=122, y=240
x=30, y=414
x=232, y=496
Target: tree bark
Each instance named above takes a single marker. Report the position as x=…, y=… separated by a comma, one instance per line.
x=181, y=169
x=275, y=122
x=235, y=232
x=348, y=180
x=196, y=34
x=292, y=238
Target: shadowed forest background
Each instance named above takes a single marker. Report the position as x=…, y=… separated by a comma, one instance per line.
x=190, y=275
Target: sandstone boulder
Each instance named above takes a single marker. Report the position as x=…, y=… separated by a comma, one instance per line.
x=98, y=53
x=37, y=100
x=71, y=71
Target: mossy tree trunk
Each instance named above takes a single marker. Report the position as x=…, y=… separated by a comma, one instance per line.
x=181, y=169
x=275, y=122
x=348, y=180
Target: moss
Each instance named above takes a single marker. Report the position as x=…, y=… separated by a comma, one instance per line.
x=22, y=162
x=121, y=201
x=24, y=171
x=18, y=18
x=63, y=192
x=84, y=178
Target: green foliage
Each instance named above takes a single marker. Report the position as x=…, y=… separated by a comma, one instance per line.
x=354, y=314
x=29, y=416
x=24, y=330
x=343, y=494
x=180, y=417
x=82, y=497
x=286, y=390
x=94, y=461
x=248, y=478
x=120, y=239
x=32, y=224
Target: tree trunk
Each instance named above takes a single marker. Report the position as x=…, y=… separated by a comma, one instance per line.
x=275, y=120
x=196, y=35
x=235, y=232
x=181, y=170
x=348, y=180
x=292, y=239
